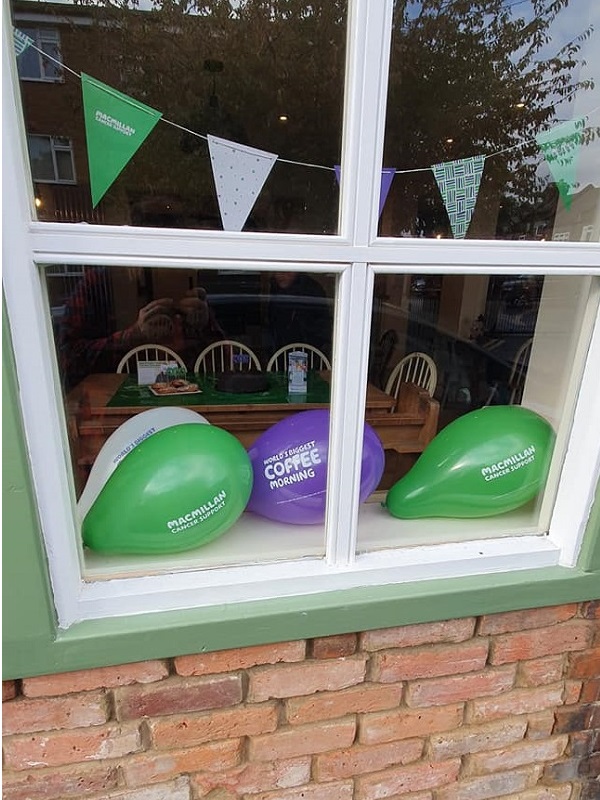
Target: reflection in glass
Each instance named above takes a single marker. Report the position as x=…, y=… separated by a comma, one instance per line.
x=261, y=75
x=442, y=347
x=213, y=341
x=100, y=313
x=484, y=78
x=33, y=64
x=40, y=155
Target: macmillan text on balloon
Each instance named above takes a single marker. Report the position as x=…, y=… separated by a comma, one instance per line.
x=198, y=514
x=510, y=464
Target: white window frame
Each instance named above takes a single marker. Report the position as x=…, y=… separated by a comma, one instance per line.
x=51, y=38
x=356, y=255
x=57, y=145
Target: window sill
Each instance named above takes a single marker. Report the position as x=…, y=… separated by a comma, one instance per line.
x=96, y=643
x=253, y=538
x=285, y=580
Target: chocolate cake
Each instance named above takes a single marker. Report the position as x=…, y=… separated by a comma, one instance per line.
x=241, y=382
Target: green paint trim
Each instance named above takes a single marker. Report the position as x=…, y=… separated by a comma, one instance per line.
x=589, y=558
x=127, y=639
x=32, y=645
x=27, y=609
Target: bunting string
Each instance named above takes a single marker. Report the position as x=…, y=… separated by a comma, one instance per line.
x=118, y=124
x=289, y=161
x=22, y=42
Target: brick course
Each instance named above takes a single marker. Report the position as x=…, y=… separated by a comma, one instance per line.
x=103, y=677
x=328, y=705
x=562, y=638
x=290, y=680
x=256, y=777
x=241, y=658
x=183, y=731
x=52, y=713
x=500, y=706
x=175, y=696
x=153, y=767
x=429, y=662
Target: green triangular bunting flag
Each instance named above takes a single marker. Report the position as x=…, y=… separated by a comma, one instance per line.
x=560, y=146
x=115, y=128
x=21, y=41
x=458, y=182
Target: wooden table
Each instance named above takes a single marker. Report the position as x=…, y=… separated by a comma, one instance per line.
x=406, y=426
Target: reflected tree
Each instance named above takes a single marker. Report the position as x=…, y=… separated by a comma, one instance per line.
x=467, y=77
x=472, y=77
x=265, y=74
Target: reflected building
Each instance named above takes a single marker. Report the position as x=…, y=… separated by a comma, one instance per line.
x=169, y=181
x=580, y=222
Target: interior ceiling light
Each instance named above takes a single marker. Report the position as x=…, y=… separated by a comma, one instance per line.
x=38, y=202
x=283, y=118
x=449, y=141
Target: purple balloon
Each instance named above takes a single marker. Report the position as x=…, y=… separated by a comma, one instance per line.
x=290, y=468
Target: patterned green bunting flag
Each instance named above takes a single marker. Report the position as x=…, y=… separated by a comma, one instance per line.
x=459, y=184
x=560, y=146
x=115, y=128
x=21, y=41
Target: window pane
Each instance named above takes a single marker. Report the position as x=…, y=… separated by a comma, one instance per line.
x=242, y=384
x=29, y=60
x=50, y=45
x=479, y=81
x=32, y=64
x=40, y=154
x=260, y=75
x=457, y=356
x=64, y=165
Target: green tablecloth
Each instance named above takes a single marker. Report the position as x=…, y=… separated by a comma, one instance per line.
x=131, y=394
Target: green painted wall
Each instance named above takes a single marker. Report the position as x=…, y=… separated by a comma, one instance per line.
x=32, y=645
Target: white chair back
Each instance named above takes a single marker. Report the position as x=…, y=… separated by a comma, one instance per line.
x=226, y=356
x=148, y=352
x=416, y=368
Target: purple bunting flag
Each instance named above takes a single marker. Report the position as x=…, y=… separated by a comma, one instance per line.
x=387, y=176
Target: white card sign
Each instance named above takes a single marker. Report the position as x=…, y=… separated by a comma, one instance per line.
x=155, y=371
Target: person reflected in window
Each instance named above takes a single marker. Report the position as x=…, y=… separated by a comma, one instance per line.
x=87, y=341
x=299, y=311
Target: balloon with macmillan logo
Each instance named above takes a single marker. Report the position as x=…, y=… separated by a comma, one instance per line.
x=290, y=468
x=487, y=462
x=120, y=443
x=179, y=489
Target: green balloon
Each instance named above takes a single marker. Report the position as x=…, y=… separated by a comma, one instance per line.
x=487, y=462
x=177, y=490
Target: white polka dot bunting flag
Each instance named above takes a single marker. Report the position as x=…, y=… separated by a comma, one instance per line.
x=239, y=173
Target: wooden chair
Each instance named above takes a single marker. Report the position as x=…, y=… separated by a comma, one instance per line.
x=148, y=352
x=518, y=373
x=417, y=368
x=227, y=356
x=316, y=358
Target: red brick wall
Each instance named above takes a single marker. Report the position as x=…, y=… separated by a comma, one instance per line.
x=506, y=705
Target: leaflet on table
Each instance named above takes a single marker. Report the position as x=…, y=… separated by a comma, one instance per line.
x=158, y=372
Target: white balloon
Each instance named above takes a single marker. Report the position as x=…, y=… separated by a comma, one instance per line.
x=125, y=439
